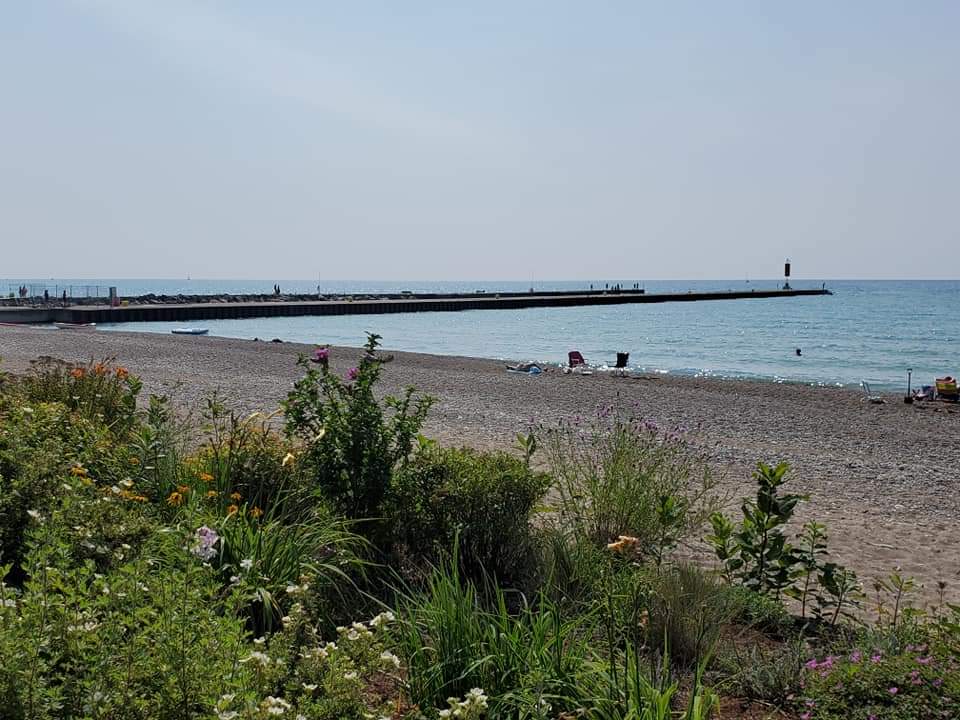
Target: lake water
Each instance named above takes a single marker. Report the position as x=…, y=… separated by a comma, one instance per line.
x=868, y=330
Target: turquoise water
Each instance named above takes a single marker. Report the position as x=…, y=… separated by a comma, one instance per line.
x=868, y=330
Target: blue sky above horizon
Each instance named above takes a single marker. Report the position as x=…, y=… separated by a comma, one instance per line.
x=443, y=141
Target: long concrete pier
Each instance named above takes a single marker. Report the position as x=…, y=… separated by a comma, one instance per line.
x=367, y=305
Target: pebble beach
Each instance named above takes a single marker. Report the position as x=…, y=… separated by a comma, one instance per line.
x=883, y=478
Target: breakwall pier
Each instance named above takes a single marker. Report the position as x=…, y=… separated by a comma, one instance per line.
x=218, y=308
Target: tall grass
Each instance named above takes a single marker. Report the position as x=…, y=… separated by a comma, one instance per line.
x=614, y=476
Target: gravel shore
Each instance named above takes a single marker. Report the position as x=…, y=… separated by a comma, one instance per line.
x=883, y=478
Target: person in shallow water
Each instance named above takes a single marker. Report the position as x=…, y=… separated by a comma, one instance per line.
x=799, y=353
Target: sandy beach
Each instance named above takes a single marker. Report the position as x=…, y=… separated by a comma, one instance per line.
x=883, y=478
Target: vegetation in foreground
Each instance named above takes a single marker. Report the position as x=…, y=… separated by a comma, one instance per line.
x=348, y=567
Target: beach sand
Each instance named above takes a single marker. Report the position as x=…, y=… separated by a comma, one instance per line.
x=882, y=478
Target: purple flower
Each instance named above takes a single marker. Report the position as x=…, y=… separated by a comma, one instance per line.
x=806, y=716
x=894, y=690
x=856, y=656
x=321, y=354
x=925, y=660
x=811, y=664
x=352, y=374
x=205, y=538
x=876, y=658
x=938, y=682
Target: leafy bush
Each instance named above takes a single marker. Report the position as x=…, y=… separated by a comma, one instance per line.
x=480, y=501
x=143, y=640
x=917, y=682
x=351, y=445
x=626, y=477
x=756, y=552
x=98, y=390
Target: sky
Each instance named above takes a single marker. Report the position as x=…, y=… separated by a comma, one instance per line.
x=520, y=140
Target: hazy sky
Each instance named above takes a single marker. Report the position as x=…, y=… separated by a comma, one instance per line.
x=406, y=140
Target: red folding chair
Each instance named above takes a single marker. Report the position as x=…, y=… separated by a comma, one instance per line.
x=575, y=358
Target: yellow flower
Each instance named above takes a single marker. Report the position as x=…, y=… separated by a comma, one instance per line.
x=134, y=461
x=212, y=493
x=175, y=499
x=206, y=477
x=232, y=510
x=256, y=512
x=78, y=471
x=236, y=496
x=288, y=458
x=183, y=489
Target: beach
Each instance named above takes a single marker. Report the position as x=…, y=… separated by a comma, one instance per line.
x=882, y=478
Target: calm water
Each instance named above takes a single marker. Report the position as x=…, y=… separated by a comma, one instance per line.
x=871, y=330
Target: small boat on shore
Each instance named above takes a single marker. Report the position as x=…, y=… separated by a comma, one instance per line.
x=190, y=331
x=75, y=326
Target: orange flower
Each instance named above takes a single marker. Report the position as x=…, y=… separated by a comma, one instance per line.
x=236, y=496
x=121, y=373
x=134, y=461
x=212, y=493
x=206, y=477
x=232, y=510
x=127, y=495
x=175, y=499
x=78, y=471
x=100, y=369
x=77, y=373
x=624, y=542
x=183, y=489
x=256, y=512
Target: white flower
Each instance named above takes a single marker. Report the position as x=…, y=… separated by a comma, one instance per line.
x=260, y=641
x=382, y=619
x=258, y=657
x=445, y=713
x=246, y=564
x=309, y=687
x=352, y=675
x=388, y=658
x=34, y=514
x=226, y=714
x=275, y=706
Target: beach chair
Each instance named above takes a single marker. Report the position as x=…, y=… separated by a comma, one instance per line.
x=947, y=389
x=575, y=359
x=621, y=365
x=869, y=396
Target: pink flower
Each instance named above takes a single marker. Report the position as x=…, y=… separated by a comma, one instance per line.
x=876, y=658
x=938, y=682
x=925, y=660
x=893, y=691
x=811, y=664
x=806, y=716
x=321, y=353
x=856, y=656
x=352, y=374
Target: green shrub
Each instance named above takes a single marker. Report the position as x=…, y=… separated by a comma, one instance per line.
x=243, y=455
x=481, y=501
x=148, y=638
x=100, y=391
x=351, y=444
x=915, y=682
x=626, y=477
